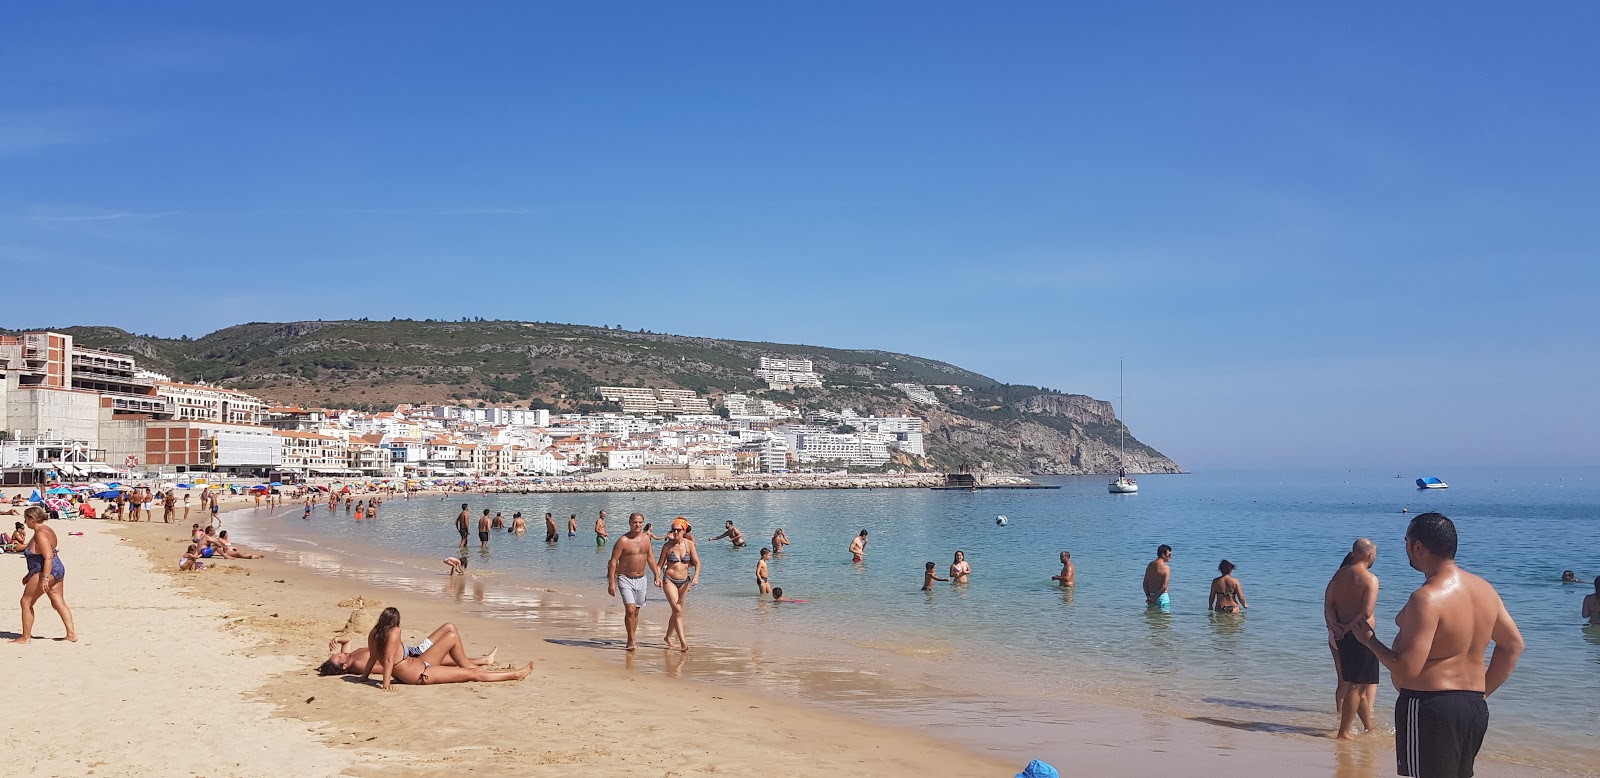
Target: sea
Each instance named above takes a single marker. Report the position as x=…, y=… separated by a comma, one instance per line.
x=1011, y=645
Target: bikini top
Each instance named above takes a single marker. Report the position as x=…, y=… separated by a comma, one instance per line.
x=673, y=558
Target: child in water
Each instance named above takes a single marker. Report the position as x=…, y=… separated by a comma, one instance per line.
x=929, y=576
x=761, y=572
x=777, y=596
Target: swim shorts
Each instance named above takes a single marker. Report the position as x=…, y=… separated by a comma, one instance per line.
x=1163, y=602
x=463, y=531
x=417, y=649
x=634, y=591
x=600, y=540
x=483, y=537
x=1357, y=663
x=1437, y=734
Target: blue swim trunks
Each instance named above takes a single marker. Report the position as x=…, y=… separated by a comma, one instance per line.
x=1163, y=602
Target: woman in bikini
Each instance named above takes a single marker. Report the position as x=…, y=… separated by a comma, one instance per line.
x=677, y=557
x=779, y=540
x=425, y=664
x=959, y=569
x=342, y=661
x=46, y=576
x=1227, y=596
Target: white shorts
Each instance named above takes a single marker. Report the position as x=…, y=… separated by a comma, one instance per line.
x=419, y=648
x=634, y=591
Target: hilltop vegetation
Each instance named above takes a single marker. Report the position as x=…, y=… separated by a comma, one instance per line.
x=376, y=364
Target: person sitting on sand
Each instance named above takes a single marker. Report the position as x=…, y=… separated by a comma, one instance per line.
x=777, y=596
x=229, y=552
x=959, y=569
x=196, y=535
x=1065, y=578
x=391, y=658
x=190, y=561
x=14, y=542
x=457, y=565
x=1591, y=604
x=343, y=661
x=929, y=576
x=1227, y=596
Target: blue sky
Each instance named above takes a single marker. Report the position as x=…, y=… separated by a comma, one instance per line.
x=1320, y=237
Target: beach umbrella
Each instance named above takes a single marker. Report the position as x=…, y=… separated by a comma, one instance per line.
x=275, y=483
x=122, y=488
x=58, y=490
x=183, y=486
x=34, y=497
x=110, y=494
x=58, y=505
x=98, y=487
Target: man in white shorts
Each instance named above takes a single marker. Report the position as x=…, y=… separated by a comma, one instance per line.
x=631, y=556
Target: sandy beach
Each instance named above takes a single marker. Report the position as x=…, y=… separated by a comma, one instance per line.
x=213, y=673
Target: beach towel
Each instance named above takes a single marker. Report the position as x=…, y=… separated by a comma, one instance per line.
x=1038, y=769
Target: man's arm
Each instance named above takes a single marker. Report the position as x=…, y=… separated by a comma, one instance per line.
x=723, y=535
x=611, y=569
x=1418, y=621
x=1589, y=604
x=1507, y=648
x=650, y=559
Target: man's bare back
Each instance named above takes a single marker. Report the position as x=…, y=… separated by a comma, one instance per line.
x=1351, y=594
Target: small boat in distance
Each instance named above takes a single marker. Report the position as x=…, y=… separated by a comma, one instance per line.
x=1431, y=483
x=1123, y=484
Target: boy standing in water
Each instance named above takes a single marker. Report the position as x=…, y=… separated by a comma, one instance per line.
x=761, y=572
x=929, y=576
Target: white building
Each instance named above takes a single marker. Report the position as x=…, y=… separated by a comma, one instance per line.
x=788, y=373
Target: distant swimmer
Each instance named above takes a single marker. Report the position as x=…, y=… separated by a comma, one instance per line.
x=1227, y=595
x=461, y=525
x=779, y=540
x=959, y=569
x=498, y=522
x=1065, y=578
x=1156, y=577
x=519, y=525
x=929, y=576
x=858, y=547
x=732, y=534
x=1591, y=604
x=761, y=572
x=600, y=530
x=483, y=530
x=572, y=526
x=1567, y=576
x=551, y=534
x=1353, y=594
x=1442, y=712
x=777, y=596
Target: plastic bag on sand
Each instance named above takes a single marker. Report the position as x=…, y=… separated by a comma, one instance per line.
x=1038, y=769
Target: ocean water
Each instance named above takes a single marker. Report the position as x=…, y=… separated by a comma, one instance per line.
x=1011, y=641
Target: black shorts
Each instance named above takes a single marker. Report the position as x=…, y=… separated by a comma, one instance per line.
x=1437, y=734
x=463, y=531
x=483, y=537
x=1357, y=663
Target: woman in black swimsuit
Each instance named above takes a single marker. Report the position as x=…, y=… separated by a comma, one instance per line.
x=46, y=575
x=677, y=557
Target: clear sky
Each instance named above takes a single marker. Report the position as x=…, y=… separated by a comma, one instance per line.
x=1343, y=236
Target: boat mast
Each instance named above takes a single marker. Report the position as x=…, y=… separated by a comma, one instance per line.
x=1122, y=427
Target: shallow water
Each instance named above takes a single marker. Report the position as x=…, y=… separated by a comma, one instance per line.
x=1017, y=644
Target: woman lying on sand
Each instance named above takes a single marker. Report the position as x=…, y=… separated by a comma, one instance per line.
x=424, y=664
x=342, y=661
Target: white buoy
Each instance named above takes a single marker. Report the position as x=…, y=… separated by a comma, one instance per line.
x=1000, y=521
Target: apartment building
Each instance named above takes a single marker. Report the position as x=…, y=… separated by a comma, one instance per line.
x=788, y=373
x=194, y=402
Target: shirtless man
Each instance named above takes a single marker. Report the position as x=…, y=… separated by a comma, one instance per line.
x=1352, y=595
x=1065, y=578
x=551, y=534
x=630, y=555
x=858, y=547
x=1156, y=577
x=600, y=535
x=169, y=505
x=498, y=522
x=483, y=530
x=1591, y=604
x=572, y=526
x=732, y=534
x=461, y=525
x=1442, y=711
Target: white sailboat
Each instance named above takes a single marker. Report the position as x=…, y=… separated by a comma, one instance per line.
x=1123, y=484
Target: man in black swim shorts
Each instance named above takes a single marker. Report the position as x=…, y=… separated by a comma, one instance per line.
x=1352, y=594
x=1442, y=712
x=483, y=530
x=461, y=525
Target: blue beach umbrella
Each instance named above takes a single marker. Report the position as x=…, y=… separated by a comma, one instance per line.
x=58, y=490
x=182, y=486
x=109, y=494
x=276, y=483
x=34, y=497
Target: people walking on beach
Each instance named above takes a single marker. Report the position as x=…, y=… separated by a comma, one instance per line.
x=1157, y=575
x=483, y=530
x=1353, y=594
x=1227, y=596
x=1591, y=604
x=858, y=547
x=761, y=572
x=732, y=534
x=929, y=576
x=1065, y=578
x=169, y=506
x=600, y=536
x=551, y=534
x=959, y=569
x=1442, y=712
x=425, y=665
x=462, y=526
x=46, y=576
x=630, y=556
x=779, y=540
x=678, y=558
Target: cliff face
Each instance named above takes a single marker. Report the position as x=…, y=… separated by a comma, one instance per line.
x=375, y=365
